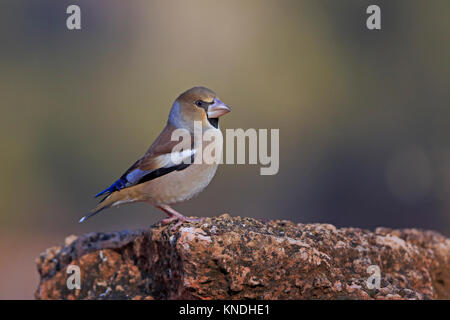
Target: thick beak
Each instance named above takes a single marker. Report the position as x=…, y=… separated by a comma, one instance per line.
x=217, y=109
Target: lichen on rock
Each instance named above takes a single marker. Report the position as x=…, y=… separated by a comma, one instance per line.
x=244, y=258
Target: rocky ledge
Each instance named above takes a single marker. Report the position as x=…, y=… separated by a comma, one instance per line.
x=244, y=258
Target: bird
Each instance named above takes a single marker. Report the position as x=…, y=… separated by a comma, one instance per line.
x=159, y=178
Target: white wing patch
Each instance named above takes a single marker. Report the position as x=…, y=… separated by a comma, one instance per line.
x=177, y=158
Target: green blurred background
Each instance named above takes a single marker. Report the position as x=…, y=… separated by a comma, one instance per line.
x=363, y=115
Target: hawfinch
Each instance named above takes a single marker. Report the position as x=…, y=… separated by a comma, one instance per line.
x=159, y=178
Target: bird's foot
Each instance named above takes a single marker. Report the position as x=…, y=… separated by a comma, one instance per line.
x=175, y=216
x=179, y=221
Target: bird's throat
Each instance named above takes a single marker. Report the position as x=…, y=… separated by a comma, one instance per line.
x=214, y=122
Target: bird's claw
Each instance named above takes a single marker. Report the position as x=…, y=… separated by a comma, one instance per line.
x=180, y=221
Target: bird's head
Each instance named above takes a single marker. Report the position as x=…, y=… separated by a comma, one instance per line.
x=197, y=104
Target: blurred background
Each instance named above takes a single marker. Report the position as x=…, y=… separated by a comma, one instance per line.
x=363, y=115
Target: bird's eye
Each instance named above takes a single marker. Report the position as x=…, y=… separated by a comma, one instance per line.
x=198, y=103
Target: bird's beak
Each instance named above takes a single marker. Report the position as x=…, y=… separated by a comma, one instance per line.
x=217, y=109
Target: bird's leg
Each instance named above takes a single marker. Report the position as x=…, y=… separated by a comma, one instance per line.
x=175, y=216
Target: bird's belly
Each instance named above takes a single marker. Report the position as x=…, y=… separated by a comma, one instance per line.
x=179, y=186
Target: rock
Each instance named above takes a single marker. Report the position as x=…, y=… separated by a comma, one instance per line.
x=243, y=258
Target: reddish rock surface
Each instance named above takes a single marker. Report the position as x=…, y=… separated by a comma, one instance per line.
x=237, y=258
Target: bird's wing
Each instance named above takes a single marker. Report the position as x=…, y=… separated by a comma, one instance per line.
x=159, y=160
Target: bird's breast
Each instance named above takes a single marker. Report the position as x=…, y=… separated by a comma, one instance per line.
x=182, y=185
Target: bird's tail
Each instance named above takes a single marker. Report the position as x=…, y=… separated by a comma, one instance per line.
x=113, y=199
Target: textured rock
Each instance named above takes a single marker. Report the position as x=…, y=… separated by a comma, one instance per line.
x=237, y=258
